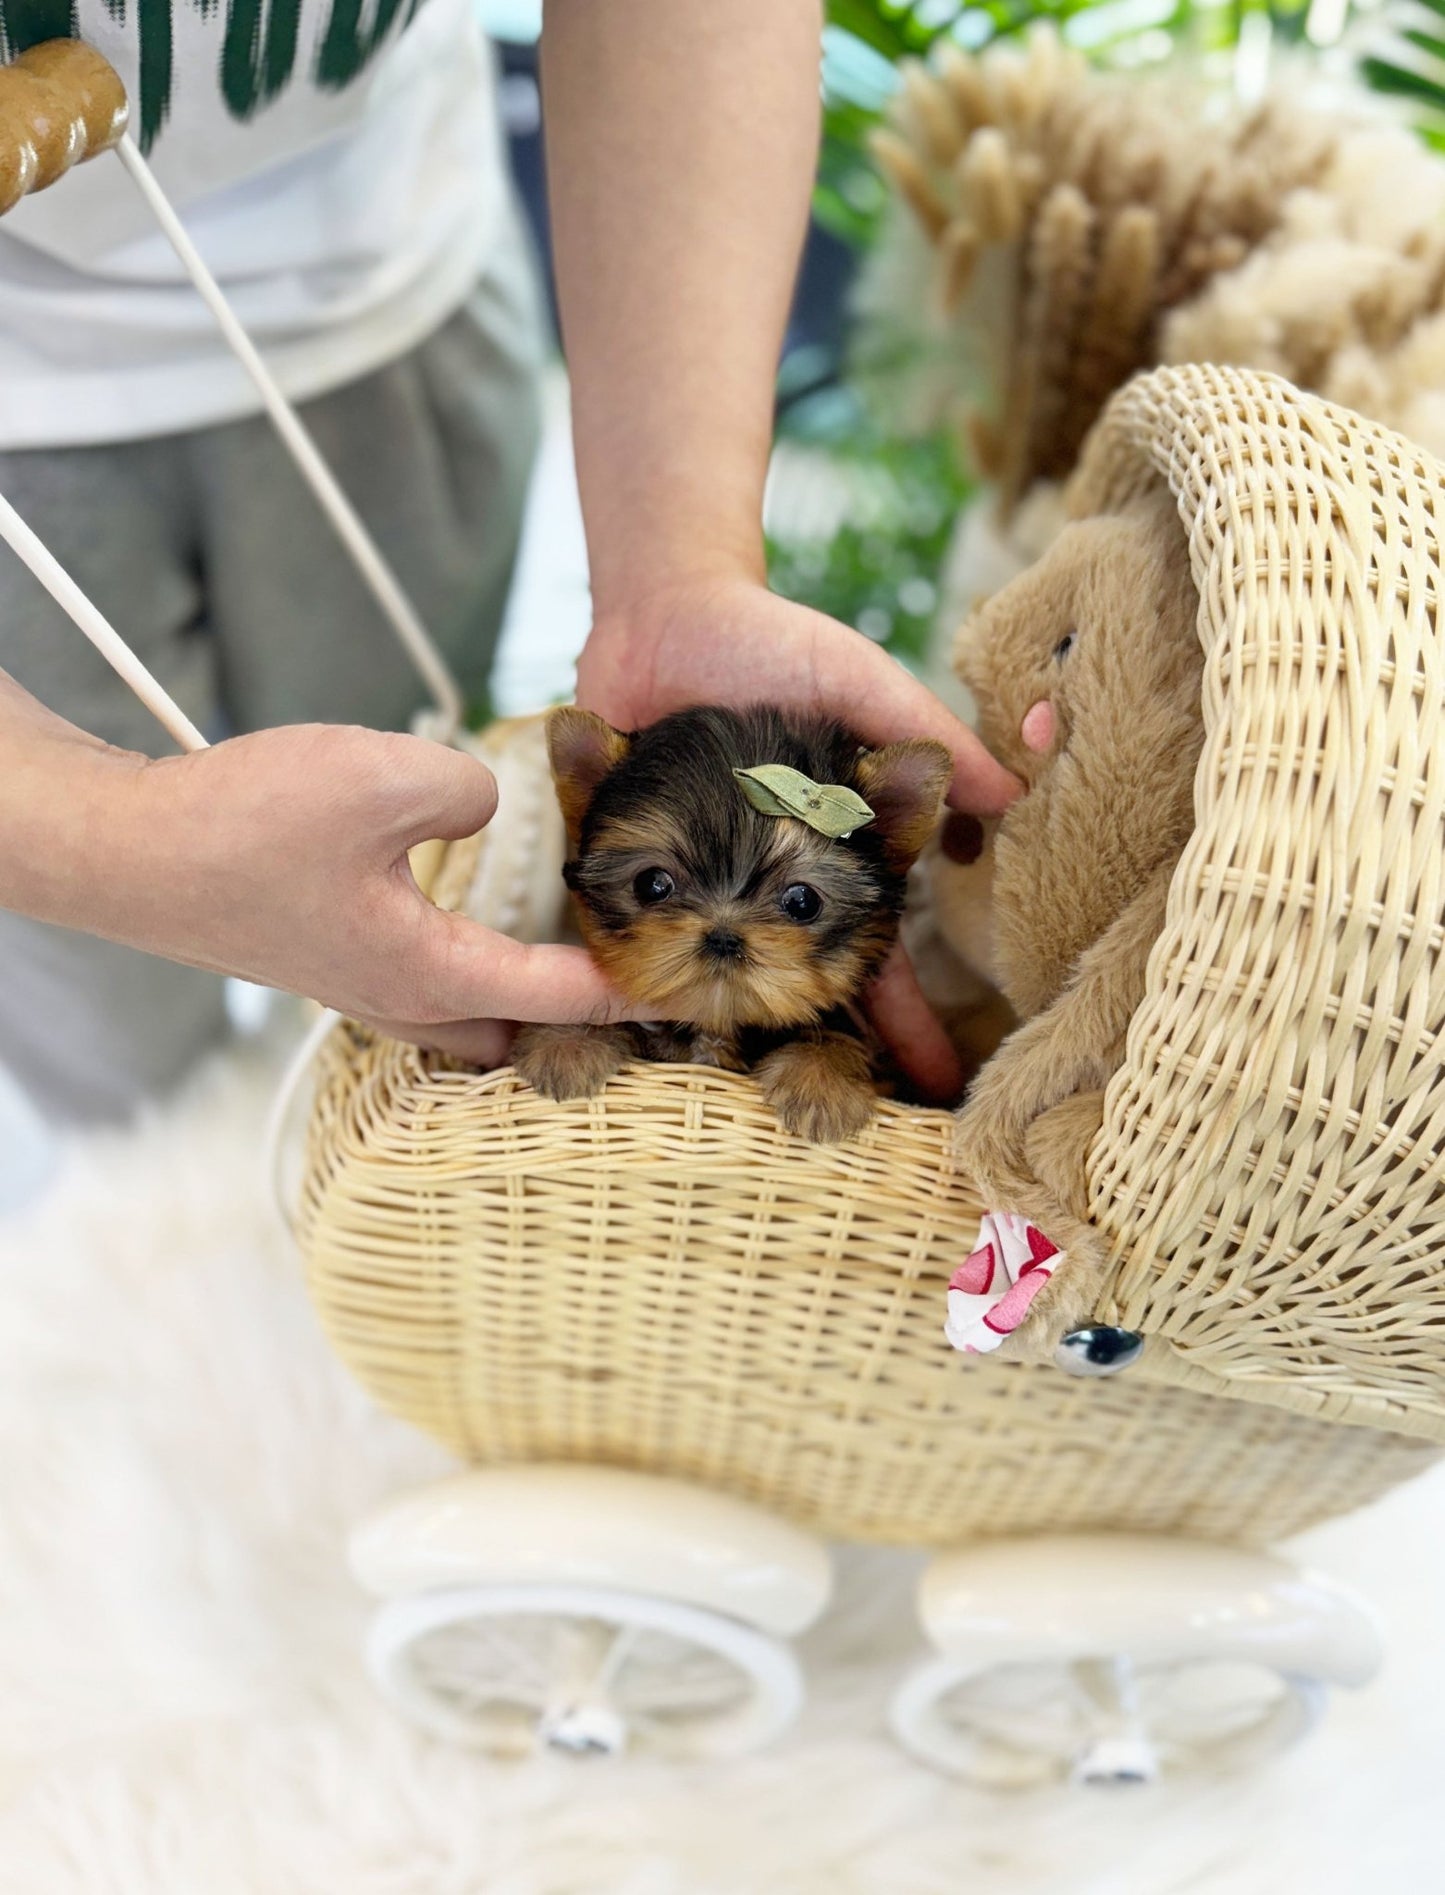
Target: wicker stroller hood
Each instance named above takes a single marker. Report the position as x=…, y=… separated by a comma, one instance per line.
x=661, y=1277
x=1271, y=1172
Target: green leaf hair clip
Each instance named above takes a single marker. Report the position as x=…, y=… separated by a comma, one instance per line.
x=830, y=808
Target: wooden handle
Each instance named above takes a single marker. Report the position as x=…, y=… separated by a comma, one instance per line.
x=60, y=103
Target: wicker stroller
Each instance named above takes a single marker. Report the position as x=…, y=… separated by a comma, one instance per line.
x=679, y=1347
x=652, y=1314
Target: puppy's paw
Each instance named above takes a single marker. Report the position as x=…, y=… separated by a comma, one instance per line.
x=821, y=1090
x=570, y=1062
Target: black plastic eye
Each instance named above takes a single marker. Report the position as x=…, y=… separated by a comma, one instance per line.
x=651, y=886
x=801, y=903
x=1064, y=646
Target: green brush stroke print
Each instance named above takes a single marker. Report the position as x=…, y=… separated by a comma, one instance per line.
x=31, y=22
x=258, y=52
x=348, y=46
x=256, y=64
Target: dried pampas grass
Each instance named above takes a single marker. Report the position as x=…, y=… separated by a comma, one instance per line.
x=1068, y=228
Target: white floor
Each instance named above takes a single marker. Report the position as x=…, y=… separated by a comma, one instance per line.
x=182, y=1710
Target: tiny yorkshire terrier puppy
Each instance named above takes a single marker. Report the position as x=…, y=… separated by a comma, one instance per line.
x=748, y=933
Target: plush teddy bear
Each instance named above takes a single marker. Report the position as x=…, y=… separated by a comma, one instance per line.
x=1087, y=674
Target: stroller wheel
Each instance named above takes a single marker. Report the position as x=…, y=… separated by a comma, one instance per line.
x=580, y=1670
x=1118, y=1659
x=1099, y=1720
x=588, y=1610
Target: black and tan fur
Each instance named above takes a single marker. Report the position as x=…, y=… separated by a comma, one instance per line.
x=734, y=979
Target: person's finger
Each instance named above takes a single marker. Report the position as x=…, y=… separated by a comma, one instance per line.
x=475, y=973
x=911, y=1031
x=484, y=1043
x=447, y=794
x=884, y=703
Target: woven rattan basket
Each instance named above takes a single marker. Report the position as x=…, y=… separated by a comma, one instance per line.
x=660, y=1278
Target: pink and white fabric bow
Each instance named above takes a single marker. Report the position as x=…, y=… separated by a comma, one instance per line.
x=989, y=1294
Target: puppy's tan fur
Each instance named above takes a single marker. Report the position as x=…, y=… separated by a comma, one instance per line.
x=1082, y=864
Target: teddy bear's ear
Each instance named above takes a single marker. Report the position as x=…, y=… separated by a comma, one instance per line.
x=584, y=749
x=903, y=784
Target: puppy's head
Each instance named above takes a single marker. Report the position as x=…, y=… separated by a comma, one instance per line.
x=699, y=906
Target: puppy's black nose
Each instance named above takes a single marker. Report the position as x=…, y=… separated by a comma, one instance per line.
x=721, y=944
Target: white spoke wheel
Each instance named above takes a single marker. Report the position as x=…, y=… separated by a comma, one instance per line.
x=517, y=1669
x=1123, y=1657
x=1100, y=1720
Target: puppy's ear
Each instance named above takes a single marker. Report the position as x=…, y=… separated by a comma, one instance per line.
x=583, y=749
x=904, y=784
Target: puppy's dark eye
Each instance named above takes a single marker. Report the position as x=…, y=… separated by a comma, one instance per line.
x=1064, y=646
x=801, y=903
x=651, y=886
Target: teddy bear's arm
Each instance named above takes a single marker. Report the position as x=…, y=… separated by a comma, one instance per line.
x=1073, y=1047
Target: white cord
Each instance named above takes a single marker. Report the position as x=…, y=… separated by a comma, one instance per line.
x=97, y=628
x=383, y=583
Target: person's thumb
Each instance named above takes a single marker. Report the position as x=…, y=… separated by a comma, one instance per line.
x=443, y=794
x=475, y=973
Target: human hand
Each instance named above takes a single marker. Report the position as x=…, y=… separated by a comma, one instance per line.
x=282, y=857
x=731, y=641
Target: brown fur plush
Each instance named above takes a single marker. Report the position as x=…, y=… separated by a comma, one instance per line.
x=746, y=935
x=1103, y=629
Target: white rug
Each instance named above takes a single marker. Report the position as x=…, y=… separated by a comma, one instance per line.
x=181, y=1706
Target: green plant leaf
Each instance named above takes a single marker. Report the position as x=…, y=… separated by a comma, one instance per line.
x=892, y=30
x=1404, y=82
x=830, y=808
x=1429, y=43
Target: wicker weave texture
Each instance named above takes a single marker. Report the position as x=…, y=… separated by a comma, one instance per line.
x=661, y=1279
x=1273, y=1157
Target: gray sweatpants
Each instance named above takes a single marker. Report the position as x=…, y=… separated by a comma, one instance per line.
x=210, y=557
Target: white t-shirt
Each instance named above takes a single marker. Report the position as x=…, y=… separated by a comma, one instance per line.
x=339, y=167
